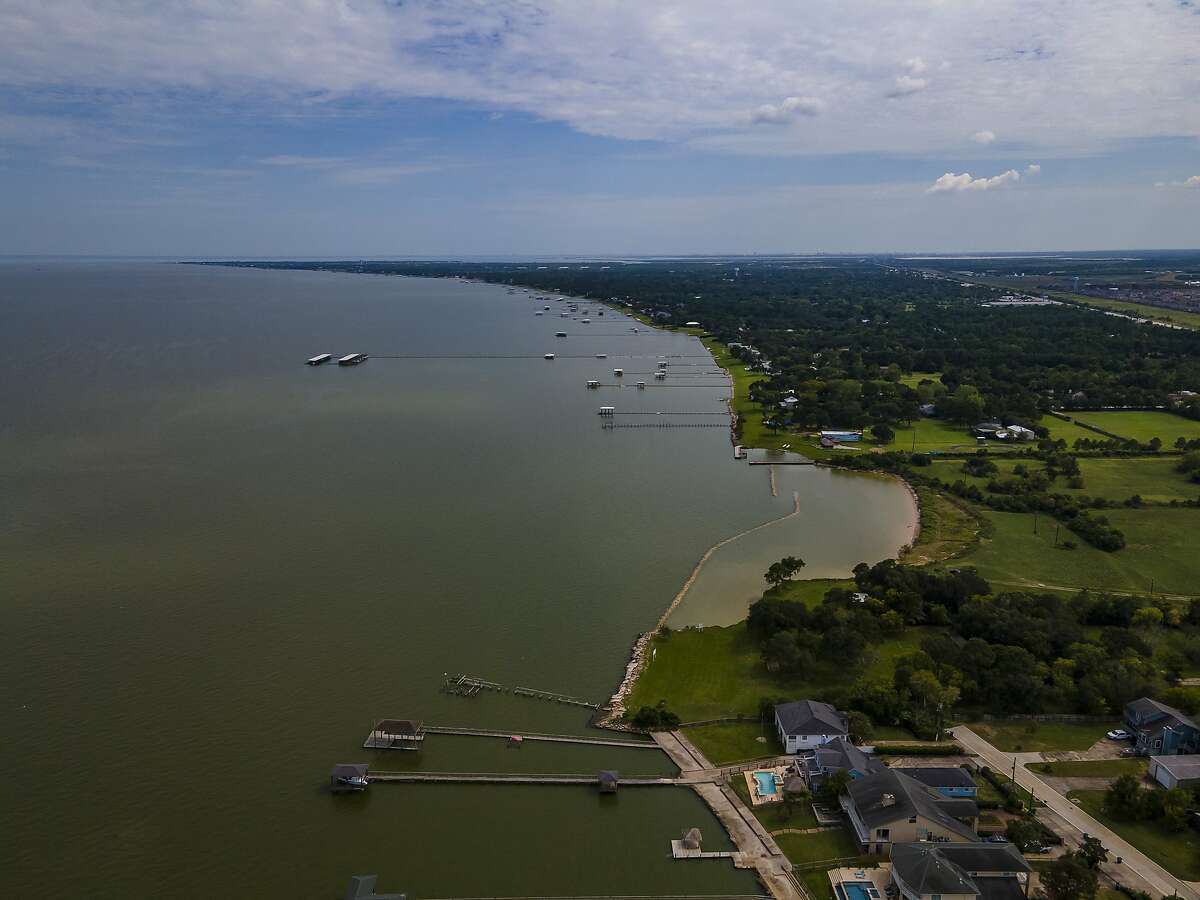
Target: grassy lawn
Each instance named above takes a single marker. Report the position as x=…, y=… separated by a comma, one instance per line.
x=1159, y=548
x=1067, y=431
x=713, y=672
x=917, y=377
x=1153, y=478
x=932, y=435
x=804, y=849
x=948, y=529
x=987, y=791
x=1029, y=735
x=812, y=591
x=1091, y=768
x=1176, y=851
x=1140, y=426
x=735, y=741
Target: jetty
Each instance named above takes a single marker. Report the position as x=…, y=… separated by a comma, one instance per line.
x=511, y=778
x=535, y=736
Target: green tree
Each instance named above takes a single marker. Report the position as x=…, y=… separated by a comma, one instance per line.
x=1175, y=804
x=1069, y=878
x=861, y=727
x=781, y=653
x=1122, y=799
x=1024, y=833
x=883, y=433
x=833, y=787
x=783, y=570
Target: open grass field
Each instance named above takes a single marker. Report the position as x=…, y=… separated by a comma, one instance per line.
x=1160, y=550
x=1030, y=735
x=1154, y=479
x=735, y=741
x=917, y=377
x=812, y=591
x=932, y=435
x=1140, y=425
x=802, y=849
x=1176, y=851
x=714, y=672
x=948, y=529
x=1092, y=768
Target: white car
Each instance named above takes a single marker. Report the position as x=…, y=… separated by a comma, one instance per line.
x=1119, y=734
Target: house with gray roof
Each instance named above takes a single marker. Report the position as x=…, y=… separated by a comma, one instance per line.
x=889, y=807
x=807, y=724
x=839, y=755
x=978, y=871
x=1176, y=771
x=951, y=781
x=1161, y=730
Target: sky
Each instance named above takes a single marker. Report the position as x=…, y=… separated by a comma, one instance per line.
x=242, y=128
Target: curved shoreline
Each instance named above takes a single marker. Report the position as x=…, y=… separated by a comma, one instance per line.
x=614, y=709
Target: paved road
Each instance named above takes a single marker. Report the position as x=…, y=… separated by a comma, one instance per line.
x=1151, y=872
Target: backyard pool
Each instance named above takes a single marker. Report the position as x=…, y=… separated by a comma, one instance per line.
x=766, y=786
x=852, y=890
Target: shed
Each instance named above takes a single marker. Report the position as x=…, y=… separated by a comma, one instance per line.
x=608, y=781
x=1176, y=771
x=691, y=839
x=348, y=777
x=395, y=734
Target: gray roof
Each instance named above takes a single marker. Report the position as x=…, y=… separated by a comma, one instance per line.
x=931, y=868
x=910, y=798
x=841, y=754
x=811, y=717
x=941, y=776
x=349, y=770
x=1185, y=766
x=1157, y=715
x=398, y=727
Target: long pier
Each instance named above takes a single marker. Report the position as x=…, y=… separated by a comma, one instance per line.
x=513, y=778
x=551, y=738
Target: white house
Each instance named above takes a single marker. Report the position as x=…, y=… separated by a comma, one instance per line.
x=805, y=724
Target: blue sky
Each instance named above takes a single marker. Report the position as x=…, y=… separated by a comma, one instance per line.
x=444, y=127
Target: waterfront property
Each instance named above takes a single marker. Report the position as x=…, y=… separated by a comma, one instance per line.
x=766, y=785
x=890, y=807
x=806, y=724
x=950, y=781
x=927, y=871
x=861, y=884
x=395, y=734
x=1161, y=730
x=1176, y=771
x=839, y=755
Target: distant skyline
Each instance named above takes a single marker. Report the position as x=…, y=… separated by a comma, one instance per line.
x=528, y=127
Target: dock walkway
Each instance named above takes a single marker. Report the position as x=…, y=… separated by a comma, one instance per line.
x=534, y=736
x=512, y=778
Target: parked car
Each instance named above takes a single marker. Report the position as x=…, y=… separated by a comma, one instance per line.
x=996, y=839
x=1118, y=734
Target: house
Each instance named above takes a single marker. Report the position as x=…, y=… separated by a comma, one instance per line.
x=890, y=807
x=839, y=755
x=925, y=871
x=806, y=724
x=987, y=429
x=608, y=781
x=949, y=781
x=844, y=437
x=1176, y=771
x=1021, y=433
x=1161, y=730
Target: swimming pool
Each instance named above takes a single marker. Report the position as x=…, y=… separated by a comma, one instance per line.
x=851, y=890
x=766, y=785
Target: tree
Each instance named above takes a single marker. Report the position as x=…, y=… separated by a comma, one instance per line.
x=1069, y=878
x=1175, y=804
x=883, y=433
x=781, y=653
x=1092, y=852
x=860, y=725
x=833, y=787
x=1121, y=800
x=1024, y=834
x=783, y=570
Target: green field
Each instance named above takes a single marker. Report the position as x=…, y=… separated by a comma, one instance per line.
x=714, y=672
x=1160, y=549
x=917, y=377
x=1091, y=768
x=804, y=849
x=1154, y=479
x=1067, y=431
x=1140, y=426
x=948, y=529
x=1176, y=851
x=1030, y=735
x=810, y=592
x=932, y=435
x=735, y=741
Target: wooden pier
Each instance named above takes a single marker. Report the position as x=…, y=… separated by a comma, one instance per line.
x=467, y=685
x=510, y=778
x=551, y=695
x=550, y=738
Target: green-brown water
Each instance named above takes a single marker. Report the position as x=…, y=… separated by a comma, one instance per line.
x=220, y=566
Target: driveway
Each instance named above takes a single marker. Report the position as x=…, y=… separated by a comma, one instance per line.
x=1158, y=878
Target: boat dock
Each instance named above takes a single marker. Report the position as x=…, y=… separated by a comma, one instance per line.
x=509, y=778
x=527, y=736
x=555, y=697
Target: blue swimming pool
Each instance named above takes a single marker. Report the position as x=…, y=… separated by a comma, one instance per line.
x=852, y=890
x=766, y=784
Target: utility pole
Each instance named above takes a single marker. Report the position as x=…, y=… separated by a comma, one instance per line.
x=1057, y=528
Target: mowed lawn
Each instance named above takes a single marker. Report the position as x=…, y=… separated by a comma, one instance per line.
x=714, y=672
x=1141, y=426
x=1160, y=551
x=1030, y=735
x=1176, y=851
x=932, y=435
x=1152, y=478
x=736, y=741
x=1092, y=768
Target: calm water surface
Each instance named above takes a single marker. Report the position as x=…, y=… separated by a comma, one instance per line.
x=220, y=566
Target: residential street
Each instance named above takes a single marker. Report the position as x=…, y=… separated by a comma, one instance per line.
x=1151, y=872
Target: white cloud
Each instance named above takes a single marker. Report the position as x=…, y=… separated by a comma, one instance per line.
x=983, y=137
x=951, y=183
x=787, y=110
x=676, y=70
x=1032, y=169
